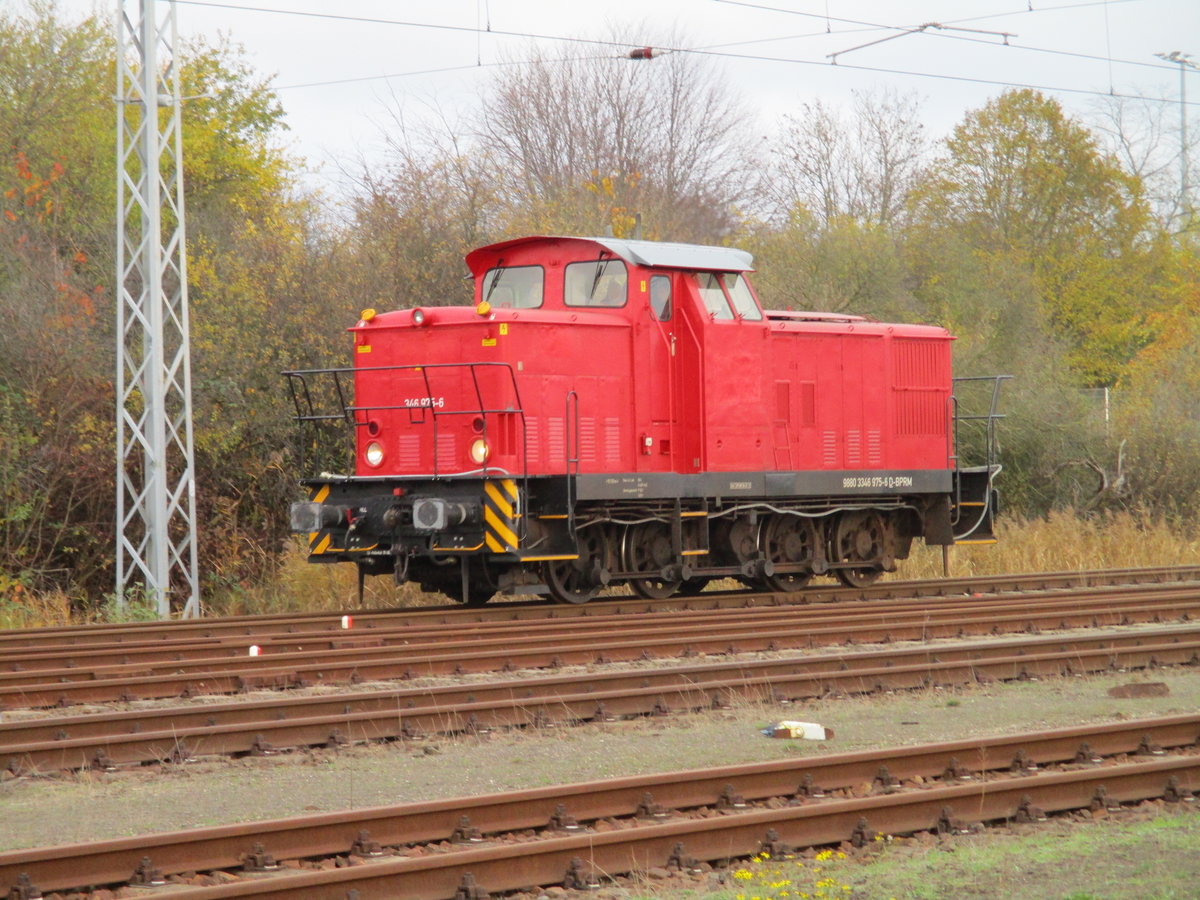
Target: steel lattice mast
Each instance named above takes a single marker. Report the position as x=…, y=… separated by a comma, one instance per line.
x=156, y=492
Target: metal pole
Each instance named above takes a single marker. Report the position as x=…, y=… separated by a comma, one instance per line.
x=156, y=521
x=1184, y=61
x=1183, y=144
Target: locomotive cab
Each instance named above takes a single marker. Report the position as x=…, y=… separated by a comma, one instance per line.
x=626, y=412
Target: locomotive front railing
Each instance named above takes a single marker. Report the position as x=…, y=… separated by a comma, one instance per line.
x=430, y=408
x=987, y=420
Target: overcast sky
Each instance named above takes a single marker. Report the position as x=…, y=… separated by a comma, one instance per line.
x=776, y=53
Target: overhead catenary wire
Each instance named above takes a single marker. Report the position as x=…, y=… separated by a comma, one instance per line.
x=924, y=28
x=712, y=50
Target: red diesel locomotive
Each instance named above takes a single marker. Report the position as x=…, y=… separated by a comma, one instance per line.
x=625, y=412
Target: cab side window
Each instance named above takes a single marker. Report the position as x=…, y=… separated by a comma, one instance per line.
x=660, y=297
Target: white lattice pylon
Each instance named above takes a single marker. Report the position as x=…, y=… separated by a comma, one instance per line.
x=156, y=492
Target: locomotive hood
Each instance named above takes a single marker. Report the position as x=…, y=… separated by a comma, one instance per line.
x=652, y=254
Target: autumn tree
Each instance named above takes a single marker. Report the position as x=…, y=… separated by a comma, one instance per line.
x=257, y=284
x=1019, y=179
x=418, y=212
x=254, y=295
x=1144, y=137
x=56, y=431
x=837, y=186
x=583, y=144
x=859, y=165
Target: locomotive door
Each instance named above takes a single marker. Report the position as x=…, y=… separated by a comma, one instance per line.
x=662, y=349
x=721, y=372
x=674, y=382
x=687, y=368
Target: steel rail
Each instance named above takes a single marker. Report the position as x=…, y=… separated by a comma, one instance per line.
x=679, y=638
x=588, y=698
x=80, y=725
x=291, y=623
x=585, y=858
x=1086, y=609
x=75, y=662
x=984, y=778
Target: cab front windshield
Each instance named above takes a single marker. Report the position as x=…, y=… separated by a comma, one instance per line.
x=599, y=282
x=515, y=287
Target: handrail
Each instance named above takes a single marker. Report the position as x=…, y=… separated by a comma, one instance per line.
x=571, y=428
x=990, y=420
x=349, y=412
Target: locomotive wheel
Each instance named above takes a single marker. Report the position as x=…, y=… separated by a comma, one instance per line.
x=789, y=540
x=647, y=548
x=737, y=543
x=860, y=537
x=578, y=580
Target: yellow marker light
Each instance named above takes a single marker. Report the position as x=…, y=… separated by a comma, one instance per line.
x=479, y=451
x=483, y=308
x=367, y=315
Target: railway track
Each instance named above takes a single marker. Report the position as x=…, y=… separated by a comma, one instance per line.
x=446, y=849
x=177, y=734
x=1086, y=607
x=41, y=677
x=213, y=630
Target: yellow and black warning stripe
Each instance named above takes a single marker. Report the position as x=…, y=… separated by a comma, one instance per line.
x=319, y=541
x=501, y=509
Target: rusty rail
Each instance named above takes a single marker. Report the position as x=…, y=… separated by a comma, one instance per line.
x=330, y=622
x=106, y=741
x=614, y=638
x=983, y=779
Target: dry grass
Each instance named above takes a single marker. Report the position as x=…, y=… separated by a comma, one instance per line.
x=22, y=608
x=301, y=586
x=1062, y=542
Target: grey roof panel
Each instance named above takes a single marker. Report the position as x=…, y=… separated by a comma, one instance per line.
x=679, y=256
x=654, y=254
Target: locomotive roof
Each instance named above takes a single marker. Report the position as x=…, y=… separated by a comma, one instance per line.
x=652, y=254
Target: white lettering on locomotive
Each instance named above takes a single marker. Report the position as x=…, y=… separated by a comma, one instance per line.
x=877, y=481
x=424, y=402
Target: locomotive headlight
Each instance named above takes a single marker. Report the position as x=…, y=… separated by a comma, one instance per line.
x=418, y=317
x=479, y=451
x=374, y=453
